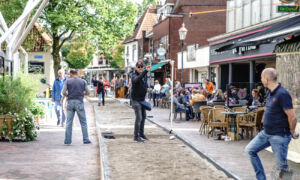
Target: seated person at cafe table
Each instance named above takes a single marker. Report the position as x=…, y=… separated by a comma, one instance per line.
x=197, y=97
x=255, y=101
x=177, y=106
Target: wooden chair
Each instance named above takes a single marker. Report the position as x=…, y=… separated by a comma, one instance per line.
x=252, y=120
x=217, y=119
x=204, y=118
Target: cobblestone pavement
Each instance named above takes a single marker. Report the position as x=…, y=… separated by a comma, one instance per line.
x=48, y=158
x=230, y=155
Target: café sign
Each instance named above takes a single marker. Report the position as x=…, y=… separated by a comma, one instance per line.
x=242, y=50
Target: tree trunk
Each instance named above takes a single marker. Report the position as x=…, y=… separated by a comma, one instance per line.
x=55, y=55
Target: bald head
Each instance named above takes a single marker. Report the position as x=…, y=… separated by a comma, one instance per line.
x=270, y=74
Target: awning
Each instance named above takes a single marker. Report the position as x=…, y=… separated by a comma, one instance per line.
x=158, y=65
x=277, y=32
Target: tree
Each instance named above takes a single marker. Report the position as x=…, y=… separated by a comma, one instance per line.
x=80, y=55
x=117, y=57
x=144, y=5
x=117, y=21
x=104, y=21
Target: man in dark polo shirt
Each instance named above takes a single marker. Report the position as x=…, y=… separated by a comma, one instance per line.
x=279, y=126
x=74, y=89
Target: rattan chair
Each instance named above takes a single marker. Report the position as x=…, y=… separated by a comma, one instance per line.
x=204, y=118
x=217, y=119
x=251, y=121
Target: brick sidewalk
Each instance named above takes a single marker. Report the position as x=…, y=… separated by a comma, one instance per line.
x=230, y=155
x=48, y=157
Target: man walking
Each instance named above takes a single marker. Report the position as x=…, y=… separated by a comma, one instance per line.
x=279, y=126
x=74, y=89
x=56, y=97
x=139, y=90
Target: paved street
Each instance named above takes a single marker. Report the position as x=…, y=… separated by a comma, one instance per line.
x=48, y=158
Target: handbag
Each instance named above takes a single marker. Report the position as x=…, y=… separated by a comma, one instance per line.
x=146, y=105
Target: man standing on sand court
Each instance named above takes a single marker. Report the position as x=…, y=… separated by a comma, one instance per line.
x=75, y=89
x=279, y=127
x=138, y=93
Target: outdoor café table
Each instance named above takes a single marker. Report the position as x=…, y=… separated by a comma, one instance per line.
x=233, y=124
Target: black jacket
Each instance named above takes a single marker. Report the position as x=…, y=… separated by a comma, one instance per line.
x=100, y=87
x=139, y=86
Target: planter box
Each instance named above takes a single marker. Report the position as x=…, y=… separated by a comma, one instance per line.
x=9, y=121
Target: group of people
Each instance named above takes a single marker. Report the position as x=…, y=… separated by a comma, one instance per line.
x=100, y=86
x=279, y=119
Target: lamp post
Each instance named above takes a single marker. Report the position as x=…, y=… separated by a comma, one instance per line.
x=182, y=35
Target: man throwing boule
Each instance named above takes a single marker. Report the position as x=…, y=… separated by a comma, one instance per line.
x=138, y=93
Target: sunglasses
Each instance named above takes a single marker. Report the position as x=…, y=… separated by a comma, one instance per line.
x=140, y=66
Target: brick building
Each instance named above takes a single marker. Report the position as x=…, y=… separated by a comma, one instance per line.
x=200, y=27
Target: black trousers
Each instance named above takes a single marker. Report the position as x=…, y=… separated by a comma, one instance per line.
x=140, y=116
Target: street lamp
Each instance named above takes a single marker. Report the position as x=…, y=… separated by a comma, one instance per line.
x=182, y=35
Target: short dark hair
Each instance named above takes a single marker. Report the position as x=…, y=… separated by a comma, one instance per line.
x=74, y=72
x=139, y=63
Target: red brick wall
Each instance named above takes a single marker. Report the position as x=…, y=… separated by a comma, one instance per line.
x=200, y=28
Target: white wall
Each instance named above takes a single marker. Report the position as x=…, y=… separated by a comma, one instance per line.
x=244, y=13
x=202, y=59
x=132, y=55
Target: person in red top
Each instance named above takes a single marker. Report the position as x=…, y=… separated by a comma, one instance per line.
x=101, y=90
x=209, y=86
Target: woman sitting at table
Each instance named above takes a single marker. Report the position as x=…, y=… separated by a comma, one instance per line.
x=219, y=96
x=254, y=101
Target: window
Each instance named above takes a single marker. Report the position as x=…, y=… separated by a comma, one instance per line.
x=151, y=46
x=36, y=67
x=191, y=53
x=239, y=15
x=133, y=53
x=255, y=11
x=247, y=13
x=196, y=76
x=230, y=16
x=127, y=50
x=266, y=10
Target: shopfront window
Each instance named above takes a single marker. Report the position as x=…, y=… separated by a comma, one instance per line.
x=213, y=74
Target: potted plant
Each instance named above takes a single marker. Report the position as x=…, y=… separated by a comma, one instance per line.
x=16, y=118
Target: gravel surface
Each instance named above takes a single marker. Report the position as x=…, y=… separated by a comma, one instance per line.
x=158, y=158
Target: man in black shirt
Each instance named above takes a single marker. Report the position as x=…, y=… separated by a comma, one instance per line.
x=279, y=126
x=138, y=93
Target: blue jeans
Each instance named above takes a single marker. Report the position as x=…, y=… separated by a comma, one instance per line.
x=101, y=97
x=59, y=108
x=78, y=106
x=279, y=146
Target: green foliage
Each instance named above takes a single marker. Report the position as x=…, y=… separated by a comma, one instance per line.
x=16, y=101
x=14, y=97
x=37, y=110
x=144, y=5
x=118, y=59
x=80, y=55
x=117, y=21
x=12, y=9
